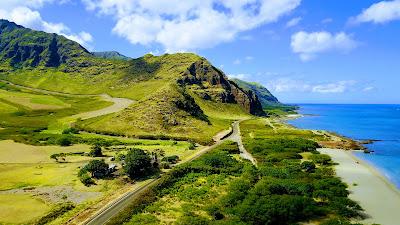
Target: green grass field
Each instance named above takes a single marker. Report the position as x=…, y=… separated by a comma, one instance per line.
x=7, y=108
x=33, y=101
x=23, y=166
x=21, y=208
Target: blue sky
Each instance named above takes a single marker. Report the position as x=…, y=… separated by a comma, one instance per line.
x=304, y=51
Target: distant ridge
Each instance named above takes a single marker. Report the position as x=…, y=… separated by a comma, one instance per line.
x=264, y=95
x=111, y=55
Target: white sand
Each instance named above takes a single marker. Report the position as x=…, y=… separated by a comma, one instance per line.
x=379, y=198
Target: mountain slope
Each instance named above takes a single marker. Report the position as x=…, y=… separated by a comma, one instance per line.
x=178, y=95
x=110, y=55
x=22, y=47
x=264, y=95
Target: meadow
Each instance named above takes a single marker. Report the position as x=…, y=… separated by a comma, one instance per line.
x=33, y=126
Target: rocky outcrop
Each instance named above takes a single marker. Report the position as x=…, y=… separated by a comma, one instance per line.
x=263, y=94
x=215, y=85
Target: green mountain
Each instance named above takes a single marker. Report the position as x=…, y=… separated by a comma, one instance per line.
x=264, y=95
x=22, y=47
x=110, y=55
x=177, y=95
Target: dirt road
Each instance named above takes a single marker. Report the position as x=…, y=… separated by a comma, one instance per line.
x=119, y=103
x=236, y=137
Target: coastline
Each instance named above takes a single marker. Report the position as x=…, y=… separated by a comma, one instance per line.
x=375, y=193
x=376, y=170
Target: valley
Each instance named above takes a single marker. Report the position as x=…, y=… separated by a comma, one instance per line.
x=92, y=138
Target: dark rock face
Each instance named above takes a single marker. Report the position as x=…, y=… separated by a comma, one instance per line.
x=219, y=87
x=263, y=94
x=23, y=47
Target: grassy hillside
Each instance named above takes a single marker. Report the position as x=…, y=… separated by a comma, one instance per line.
x=21, y=47
x=178, y=95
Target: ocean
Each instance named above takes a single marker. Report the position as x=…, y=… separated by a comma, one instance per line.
x=361, y=122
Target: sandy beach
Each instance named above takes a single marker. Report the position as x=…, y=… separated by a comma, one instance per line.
x=376, y=195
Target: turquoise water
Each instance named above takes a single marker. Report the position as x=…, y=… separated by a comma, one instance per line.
x=377, y=122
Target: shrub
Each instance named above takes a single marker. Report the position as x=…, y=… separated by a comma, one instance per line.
x=192, y=145
x=276, y=209
x=95, y=151
x=165, y=165
x=171, y=159
x=308, y=166
x=71, y=130
x=278, y=157
x=321, y=159
x=192, y=220
x=86, y=179
x=65, y=141
x=57, y=211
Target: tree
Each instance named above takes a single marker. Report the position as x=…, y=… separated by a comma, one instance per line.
x=96, y=151
x=65, y=141
x=137, y=163
x=97, y=168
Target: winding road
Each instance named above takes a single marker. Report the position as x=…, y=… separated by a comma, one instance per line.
x=119, y=103
x=112, y=209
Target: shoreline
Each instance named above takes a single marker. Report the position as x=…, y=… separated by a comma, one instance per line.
x=375, y=193
x=375, y=169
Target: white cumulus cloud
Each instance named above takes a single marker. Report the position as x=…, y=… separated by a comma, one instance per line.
x=381, y=12
x=293, y=22
x=337, y=87
x=287, y=84
x=240, y=76
x=309, y=45
x=188, y=25
x=23, y=12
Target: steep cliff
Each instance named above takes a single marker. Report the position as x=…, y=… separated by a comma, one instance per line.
x=264, y=95
x=214, y=85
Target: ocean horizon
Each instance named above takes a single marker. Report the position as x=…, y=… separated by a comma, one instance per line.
x=379, y=122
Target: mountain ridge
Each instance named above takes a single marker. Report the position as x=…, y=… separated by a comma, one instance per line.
x=22, y=47
x=111, y=55
x=265, y=96
x=177, y=94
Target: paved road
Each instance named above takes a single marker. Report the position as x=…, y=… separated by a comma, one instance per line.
x=114, y=208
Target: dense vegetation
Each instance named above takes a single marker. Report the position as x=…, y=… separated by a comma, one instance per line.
x=218, y=188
